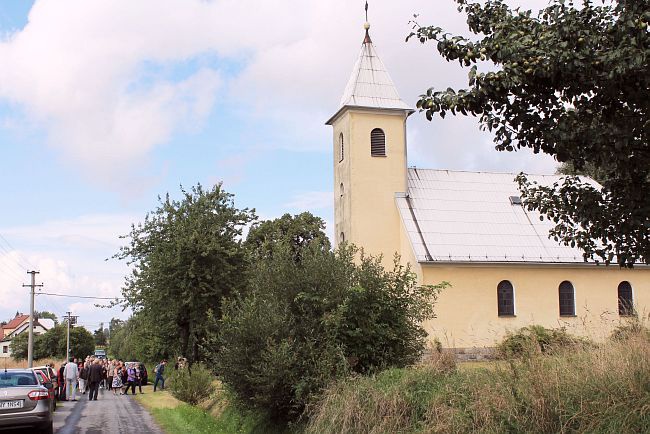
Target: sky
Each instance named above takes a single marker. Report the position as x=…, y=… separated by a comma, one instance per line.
x=106, y=104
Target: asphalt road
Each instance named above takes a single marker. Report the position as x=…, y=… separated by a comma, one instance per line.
x=109, y=414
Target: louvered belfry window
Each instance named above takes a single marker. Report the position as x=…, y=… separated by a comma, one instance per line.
x=625, y=299
x=567, y=299
x=377, y=143
x=341, y=147
x=506, y=298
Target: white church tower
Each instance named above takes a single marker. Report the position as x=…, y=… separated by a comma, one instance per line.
x=369, y=157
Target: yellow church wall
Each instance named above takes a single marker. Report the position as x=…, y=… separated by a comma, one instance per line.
x=467, y=312
x=366, y=213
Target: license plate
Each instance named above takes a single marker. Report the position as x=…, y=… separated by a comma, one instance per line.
x=11, y=404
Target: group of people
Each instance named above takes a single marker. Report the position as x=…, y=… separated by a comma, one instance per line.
x=93, y=374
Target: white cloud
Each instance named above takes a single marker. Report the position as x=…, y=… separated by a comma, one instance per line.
x=71, y=257
x=96, y=74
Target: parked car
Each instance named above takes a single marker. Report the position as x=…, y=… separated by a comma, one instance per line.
x=44, y=380
x=52, y=375
x=24, y=402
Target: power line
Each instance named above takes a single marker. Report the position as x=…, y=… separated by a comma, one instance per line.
x=21, y=257
x=10, y=269
x=78, y=296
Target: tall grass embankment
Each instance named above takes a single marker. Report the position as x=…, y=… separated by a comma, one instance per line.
x=10, y=363
x=583, y=389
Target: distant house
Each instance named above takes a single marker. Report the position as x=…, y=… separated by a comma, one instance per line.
x=20, y=324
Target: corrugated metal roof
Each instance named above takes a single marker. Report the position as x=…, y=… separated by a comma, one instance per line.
x=370, y=84
x=468, y=217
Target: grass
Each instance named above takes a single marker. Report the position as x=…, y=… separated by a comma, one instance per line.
x=603, y=389
x=215, y=415
x=11, y=363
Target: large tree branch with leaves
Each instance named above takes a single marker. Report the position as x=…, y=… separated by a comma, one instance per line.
x=187, y=256
x=571, y=82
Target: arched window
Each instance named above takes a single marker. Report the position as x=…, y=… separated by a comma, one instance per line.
x=625, y=299
x=342, y=237
x=567, y=299
x=377, y=143
x=506, y=298
x=341, y=148
x=342, y=190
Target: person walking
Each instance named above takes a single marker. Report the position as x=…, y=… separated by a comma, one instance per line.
x=71, y=374
x=102, y=364
x=138, y=377
x=94, y=377
x=117, y=379
x=110, y=368
x=159, y=370
x=125, y=377
x=62, y=382
x=83, y=378
x=130, y=379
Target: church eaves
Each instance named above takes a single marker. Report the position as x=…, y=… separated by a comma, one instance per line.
x=370, y=85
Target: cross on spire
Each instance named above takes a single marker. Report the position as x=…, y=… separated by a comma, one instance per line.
x=366, y=26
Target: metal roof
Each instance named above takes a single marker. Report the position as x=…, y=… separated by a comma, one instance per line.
x=370, y=84
x=456, y=216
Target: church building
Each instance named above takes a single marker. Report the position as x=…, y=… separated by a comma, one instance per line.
x=466, y=228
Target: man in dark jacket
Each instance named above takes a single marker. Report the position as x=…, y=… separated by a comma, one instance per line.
x=62, y=383
x=94, y=378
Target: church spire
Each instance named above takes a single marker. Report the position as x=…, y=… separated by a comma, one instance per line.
x=370, y=85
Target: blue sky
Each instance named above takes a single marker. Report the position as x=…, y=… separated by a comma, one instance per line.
x=104, y=105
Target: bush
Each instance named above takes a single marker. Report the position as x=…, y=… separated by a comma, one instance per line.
x=192, y=385
x=307, y=322
x=536, y=339
x=595, y=390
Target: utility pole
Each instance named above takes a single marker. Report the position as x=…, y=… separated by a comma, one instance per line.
x=69, y=319
x=30, y=342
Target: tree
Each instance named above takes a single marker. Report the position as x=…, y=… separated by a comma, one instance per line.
x=100, y=336
x=297, y=232
x=113, y=325
x=571, y=82
x=302, y=324
x=138, y=339
x=186, y=256
x=19, y=347
x=53, y=342
x=46, y=314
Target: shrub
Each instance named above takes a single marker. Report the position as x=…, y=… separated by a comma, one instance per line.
x=307, y=322
x=536, y=339
x=593, y=390
x=192, y=385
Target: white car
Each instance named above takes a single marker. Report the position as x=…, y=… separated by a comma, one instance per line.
x=24, y=402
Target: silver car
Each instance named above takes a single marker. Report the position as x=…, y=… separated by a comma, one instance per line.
x=24, y=402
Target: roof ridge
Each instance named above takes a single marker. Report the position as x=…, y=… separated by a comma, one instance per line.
x=484, y=171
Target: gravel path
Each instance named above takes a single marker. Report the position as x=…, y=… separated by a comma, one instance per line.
x=109, y=414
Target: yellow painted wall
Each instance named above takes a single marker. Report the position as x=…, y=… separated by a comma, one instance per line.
x=365, y=208
x=366, y=212
x=467, y=312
